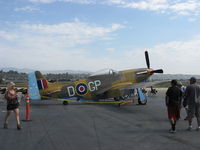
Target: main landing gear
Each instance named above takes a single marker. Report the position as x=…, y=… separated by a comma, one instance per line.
x=144, y=102
x=142, y=99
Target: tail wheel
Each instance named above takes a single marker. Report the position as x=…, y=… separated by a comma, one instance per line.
x=65, y=102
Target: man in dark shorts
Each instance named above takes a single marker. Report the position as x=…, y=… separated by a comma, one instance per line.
x=192, y=99
x=173, y=103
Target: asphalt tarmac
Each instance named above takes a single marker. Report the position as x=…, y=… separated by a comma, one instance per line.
x=97, y=127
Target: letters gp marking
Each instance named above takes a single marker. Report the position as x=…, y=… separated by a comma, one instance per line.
x=82, y=88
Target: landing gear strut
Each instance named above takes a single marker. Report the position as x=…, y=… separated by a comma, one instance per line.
x=142, y=99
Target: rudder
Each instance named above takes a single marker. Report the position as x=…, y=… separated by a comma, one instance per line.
x=41, y=81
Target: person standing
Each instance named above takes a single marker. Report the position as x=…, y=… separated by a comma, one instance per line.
x=192, y=99
x=183, y=89
x=12, y=104
x=173, y=103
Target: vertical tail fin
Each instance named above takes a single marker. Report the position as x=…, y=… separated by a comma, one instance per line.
x=33, y=87
x=39, y=87
x=36, y=83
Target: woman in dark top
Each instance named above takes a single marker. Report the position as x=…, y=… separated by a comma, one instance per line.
x=12, y=104
x=173, y=103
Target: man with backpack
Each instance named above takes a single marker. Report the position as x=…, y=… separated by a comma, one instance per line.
x=192, y=99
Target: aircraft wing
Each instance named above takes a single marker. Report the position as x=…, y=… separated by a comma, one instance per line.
x=146, y=84
x=116, y=86
x=130, y=85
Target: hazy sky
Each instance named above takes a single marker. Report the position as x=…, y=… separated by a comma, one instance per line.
x=90, y=35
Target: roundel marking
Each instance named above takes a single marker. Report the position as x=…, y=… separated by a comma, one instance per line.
x=81, y=88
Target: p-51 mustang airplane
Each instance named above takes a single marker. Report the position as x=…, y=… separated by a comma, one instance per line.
x=102, y=85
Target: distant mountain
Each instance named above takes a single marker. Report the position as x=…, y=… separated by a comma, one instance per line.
x=64, y=71
x=173, y=76
x=25, y=70
x=154, y=77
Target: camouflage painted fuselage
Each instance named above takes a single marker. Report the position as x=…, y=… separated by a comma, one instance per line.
x=100, y=86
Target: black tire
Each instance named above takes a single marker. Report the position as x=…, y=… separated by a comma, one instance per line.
x=65, y=102
x=116, y=99
x=142, y=102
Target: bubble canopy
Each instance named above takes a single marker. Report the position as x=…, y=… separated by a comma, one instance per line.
x=104, y=72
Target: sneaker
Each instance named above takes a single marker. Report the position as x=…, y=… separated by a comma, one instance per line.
x=19, y=127
x=5, y=126
x=172, y=131
x=189, y=128
x=198, y=128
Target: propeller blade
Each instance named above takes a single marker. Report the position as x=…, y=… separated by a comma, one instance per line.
x=147, y=59
x=157, y=71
